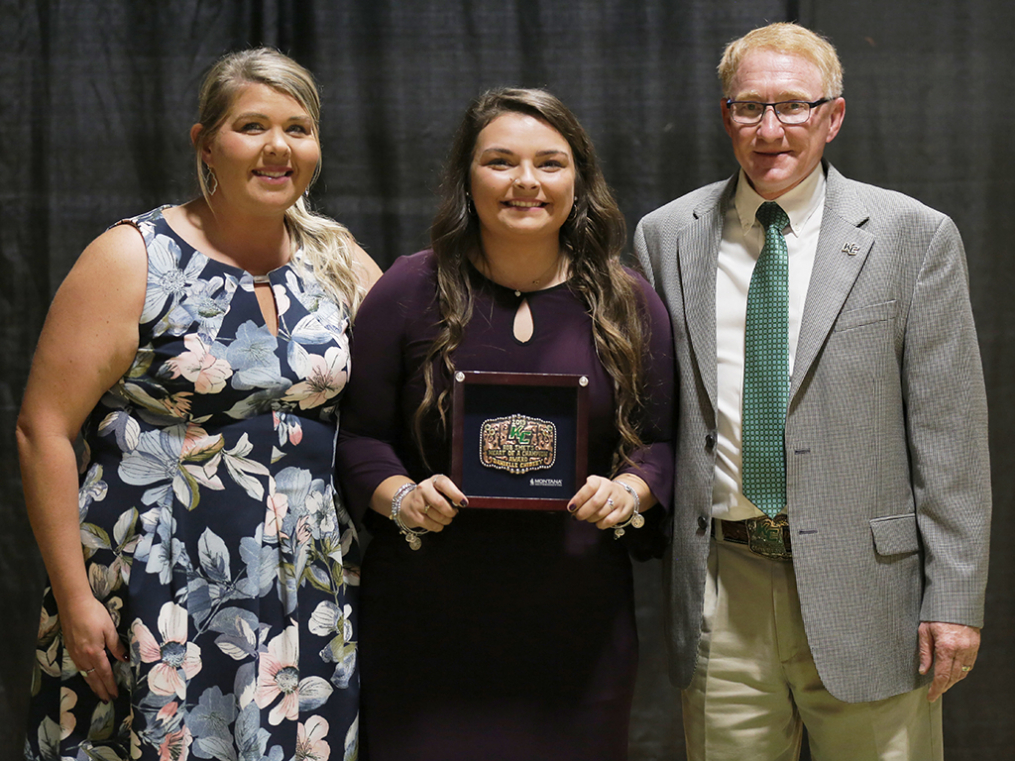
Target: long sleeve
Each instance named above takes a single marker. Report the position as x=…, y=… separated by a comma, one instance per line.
x=946, y=426
x=654, y=462
x=371, y=419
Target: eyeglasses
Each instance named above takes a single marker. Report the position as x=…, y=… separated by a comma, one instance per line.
x=786, y=111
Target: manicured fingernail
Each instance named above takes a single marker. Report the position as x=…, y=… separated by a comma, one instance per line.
x=570, y=507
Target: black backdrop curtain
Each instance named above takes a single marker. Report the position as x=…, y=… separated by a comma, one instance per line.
x=97, y=96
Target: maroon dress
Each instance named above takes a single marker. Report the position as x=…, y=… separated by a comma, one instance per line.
x=511, y=634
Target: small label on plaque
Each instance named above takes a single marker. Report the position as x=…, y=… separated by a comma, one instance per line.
x=517, y=444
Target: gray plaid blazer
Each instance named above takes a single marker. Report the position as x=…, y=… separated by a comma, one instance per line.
x=888, y=479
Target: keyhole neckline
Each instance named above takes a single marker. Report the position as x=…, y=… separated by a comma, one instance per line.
x=293, y=255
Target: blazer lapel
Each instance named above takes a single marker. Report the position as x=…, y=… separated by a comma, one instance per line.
x=699, y=255
x=842, y=250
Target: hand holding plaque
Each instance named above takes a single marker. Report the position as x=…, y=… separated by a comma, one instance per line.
x=611, y=503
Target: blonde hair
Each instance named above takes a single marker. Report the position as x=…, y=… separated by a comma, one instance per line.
x=319, y=242
x=789, y=39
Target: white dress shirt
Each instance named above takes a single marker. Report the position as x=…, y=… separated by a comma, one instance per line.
x=742, y=240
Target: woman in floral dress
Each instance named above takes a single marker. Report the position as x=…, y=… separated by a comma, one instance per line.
x=201, y=568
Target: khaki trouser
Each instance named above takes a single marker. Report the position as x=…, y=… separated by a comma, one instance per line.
x=756, y=685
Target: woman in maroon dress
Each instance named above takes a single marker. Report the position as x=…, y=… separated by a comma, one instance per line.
x=507, y=634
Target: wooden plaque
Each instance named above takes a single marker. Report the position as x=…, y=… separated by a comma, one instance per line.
x=519, y=440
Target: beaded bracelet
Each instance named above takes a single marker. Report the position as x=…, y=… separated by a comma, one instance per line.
x=412, y=535
x=636, y=520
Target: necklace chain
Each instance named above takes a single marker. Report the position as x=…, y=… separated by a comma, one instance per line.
x=548, y=275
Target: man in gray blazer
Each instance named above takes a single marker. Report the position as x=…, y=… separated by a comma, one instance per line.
x=832, y=504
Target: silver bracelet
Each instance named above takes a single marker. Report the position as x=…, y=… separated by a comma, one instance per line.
x=412, y=535
x=636, y=520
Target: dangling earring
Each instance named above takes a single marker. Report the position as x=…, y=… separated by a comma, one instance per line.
x=469, y=205
x=571, y=215
x=211, y=182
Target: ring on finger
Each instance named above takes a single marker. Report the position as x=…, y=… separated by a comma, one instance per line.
x=87, y=672
x=609, y=501
x=966, y=669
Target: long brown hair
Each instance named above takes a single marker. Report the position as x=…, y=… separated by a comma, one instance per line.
x=593, y=236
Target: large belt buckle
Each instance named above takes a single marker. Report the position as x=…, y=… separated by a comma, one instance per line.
x=768, y=537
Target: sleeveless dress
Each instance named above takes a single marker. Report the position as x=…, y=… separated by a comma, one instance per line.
x=212, y=530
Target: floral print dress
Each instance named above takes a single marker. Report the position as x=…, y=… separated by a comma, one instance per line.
x=212, y=530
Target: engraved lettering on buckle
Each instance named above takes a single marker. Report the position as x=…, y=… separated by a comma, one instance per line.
x=765, y=537
x=517, y=444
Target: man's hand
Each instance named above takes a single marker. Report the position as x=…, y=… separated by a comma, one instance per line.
x=952, y=649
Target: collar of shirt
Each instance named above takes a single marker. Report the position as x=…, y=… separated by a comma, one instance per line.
x=799, y=203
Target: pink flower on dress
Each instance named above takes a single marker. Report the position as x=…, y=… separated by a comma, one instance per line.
x=311, y=738
x=198, y=445
x=279, y=674
x=200, y=366
x=176, y=745
x=176, y=659
x=304, y=532
x=325, y=378
x=168, y=712
x=278, y=506
x=288, y=426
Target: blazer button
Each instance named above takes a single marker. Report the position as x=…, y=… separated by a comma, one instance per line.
x=702, y=522
x=709, y=441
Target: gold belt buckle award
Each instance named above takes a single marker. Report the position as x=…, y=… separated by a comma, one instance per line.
x=518, y=443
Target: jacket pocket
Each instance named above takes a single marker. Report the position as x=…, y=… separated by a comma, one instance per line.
x=895, y=534
x=856, y=318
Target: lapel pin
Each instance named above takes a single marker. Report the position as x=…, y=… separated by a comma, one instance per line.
x=851, y=248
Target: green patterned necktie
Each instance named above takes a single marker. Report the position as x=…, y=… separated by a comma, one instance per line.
x=766, y=368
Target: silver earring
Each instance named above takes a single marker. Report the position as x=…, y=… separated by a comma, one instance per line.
x=469, y=205
x=574, y=209
x=211, y=181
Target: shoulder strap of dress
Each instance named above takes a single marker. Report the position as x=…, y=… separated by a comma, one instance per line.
x=154, y=216
x=148, y=225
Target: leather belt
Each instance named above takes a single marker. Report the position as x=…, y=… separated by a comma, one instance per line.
x=768, y=537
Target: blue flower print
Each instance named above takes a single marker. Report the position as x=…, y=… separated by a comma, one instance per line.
x=252, y=358
x=167, y=282
x=331, y=317
x=93, y=489
x=205, y=306
x=159, y=524
x=210, y=721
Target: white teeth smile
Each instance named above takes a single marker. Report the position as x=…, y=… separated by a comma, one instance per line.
x=273, y=175
x=525, y=204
